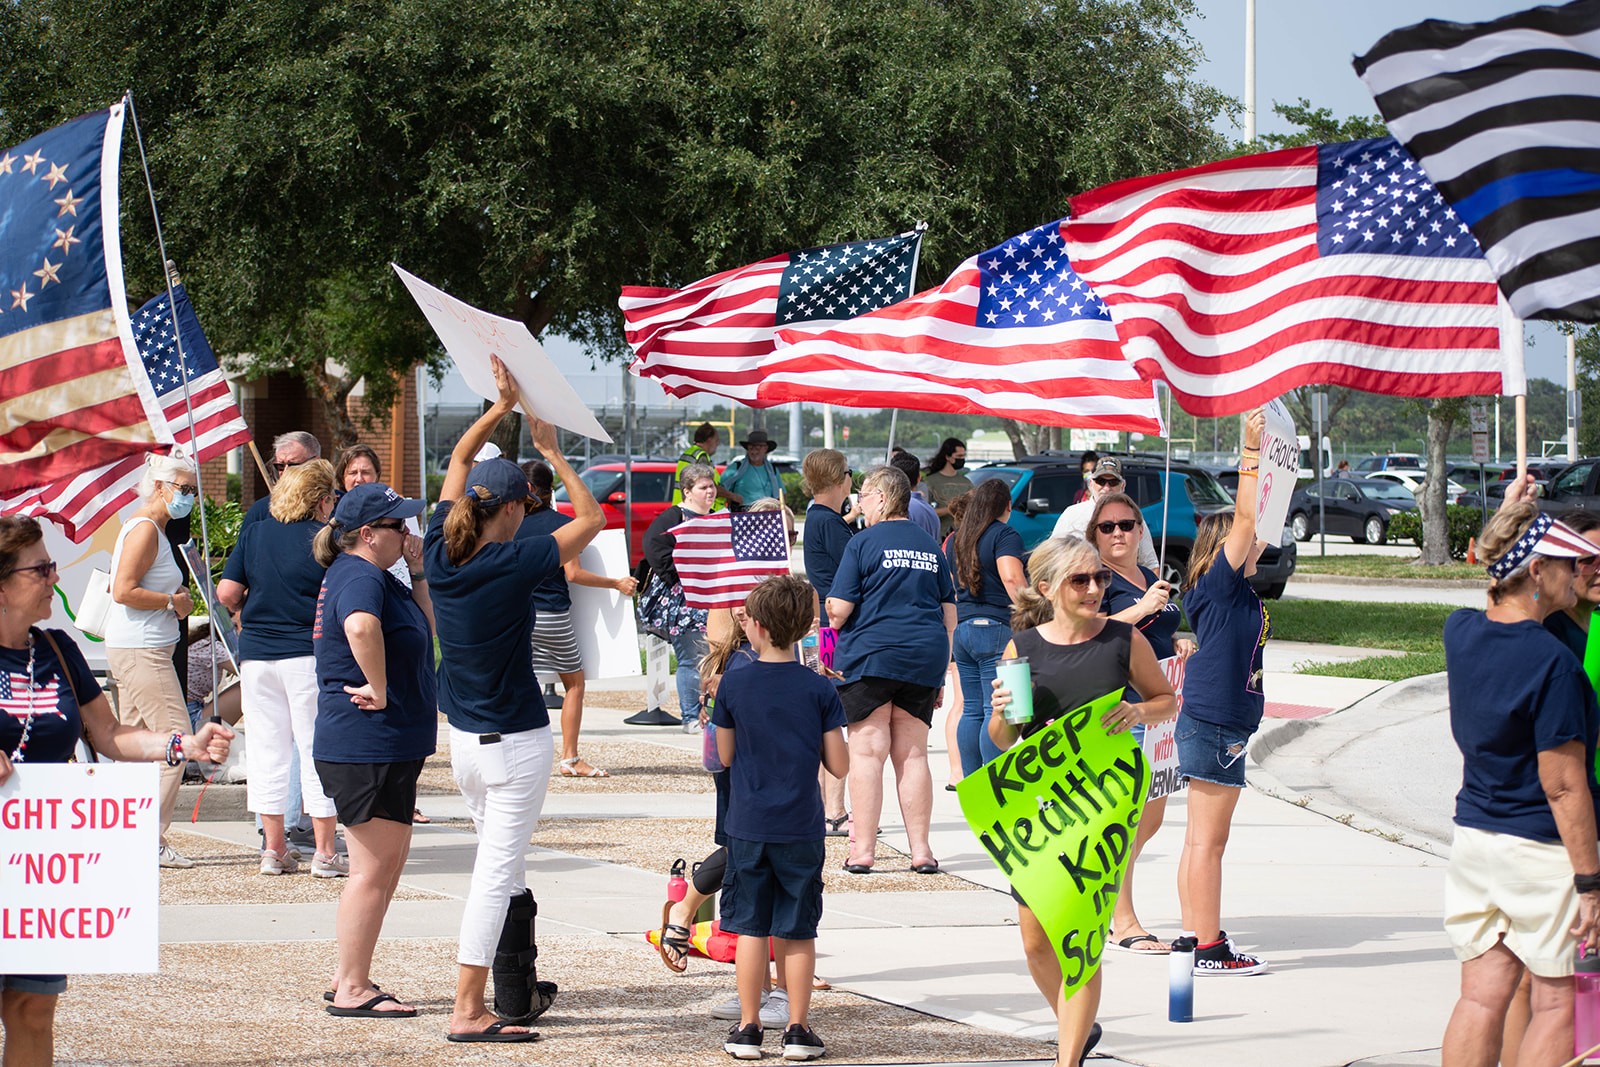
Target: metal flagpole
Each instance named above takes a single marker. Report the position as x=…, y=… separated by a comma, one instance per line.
x=888, y=449
x=422, y=435
x=1166, y=486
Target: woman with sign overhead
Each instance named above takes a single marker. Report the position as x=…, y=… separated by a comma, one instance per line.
x=61, y=700
x=1074, y=655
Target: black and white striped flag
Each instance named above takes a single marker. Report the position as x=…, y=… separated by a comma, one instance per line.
x=1505, y=118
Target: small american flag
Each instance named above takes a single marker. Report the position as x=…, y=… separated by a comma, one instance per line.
x=18, y=699
x=721, y=557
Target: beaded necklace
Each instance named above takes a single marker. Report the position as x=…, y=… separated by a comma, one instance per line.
x=18, y=755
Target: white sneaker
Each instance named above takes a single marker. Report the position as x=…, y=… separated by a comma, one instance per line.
x=775, y=1010
x=334, y=866
x=729, y=1010
x=173, y=859
x=288, y=862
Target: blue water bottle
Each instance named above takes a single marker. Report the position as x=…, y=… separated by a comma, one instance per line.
x=1180, y=981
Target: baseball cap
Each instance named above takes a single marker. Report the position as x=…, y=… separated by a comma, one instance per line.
x=1107, y=467
x=497, y=481
x=370, y=502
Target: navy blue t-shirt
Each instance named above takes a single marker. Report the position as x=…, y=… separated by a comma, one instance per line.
x=992, y=601
x=777, y=748
x=1222, y=681
x=551, y=594
x=407, y=727
x=273, y=562
x=899, y=581
x=1159, y=628
x=825, y=537
x=1515, y=691
x=1571, y=634
x=485, y=618
x=261, y=509
x=57, y=724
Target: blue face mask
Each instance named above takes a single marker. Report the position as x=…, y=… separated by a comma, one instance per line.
x=180, y=505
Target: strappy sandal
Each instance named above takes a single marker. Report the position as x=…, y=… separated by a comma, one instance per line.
x=674, y=939
x=569, y=769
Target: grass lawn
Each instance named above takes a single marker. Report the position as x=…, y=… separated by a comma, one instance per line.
x=1392, y=567
x=1415, y=629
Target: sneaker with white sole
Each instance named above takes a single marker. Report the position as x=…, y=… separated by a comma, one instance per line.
x=800, y=1043
x=775, y=1009
x=172, y=859
x=730, y=1011
x=334, y=866
x=1223, y=959
x=743, y=1042
x=274, y=863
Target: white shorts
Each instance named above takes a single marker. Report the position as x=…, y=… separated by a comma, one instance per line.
x=1503, y=887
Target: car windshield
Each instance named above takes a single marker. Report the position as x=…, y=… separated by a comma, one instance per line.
x=1388, y=492
x=602, y=483
x=1204, y=490
x=989, y=474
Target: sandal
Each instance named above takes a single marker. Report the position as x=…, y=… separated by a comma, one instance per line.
x=494, y=1032
x=370, y=1009
x=674, y=940
x=418, y=817
x=835, y=827
x=569, y=769
x=1129, y=944
x=931, y=867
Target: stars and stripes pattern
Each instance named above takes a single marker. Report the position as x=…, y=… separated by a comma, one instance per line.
x=19, y=699
x=722, y=556
x=1336, y=264
x=81, y=503
x=1545, y=536
x=716, y=335
x=1505, y=115
x=1013, y=332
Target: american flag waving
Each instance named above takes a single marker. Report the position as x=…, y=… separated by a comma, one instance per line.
x=19, y=699
x=721, y=557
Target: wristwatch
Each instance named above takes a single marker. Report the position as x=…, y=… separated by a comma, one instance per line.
x=172, y=605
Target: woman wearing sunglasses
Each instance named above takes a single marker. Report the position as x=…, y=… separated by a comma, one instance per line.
x=1075, y=654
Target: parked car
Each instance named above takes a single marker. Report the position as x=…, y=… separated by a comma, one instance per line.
x=1389, y=461
x=1044, y=486
x=652, y=494
x=1574, y=486
x=1412, y=481
x=1496, y=490
x=1467, y=473
x=1357, y=507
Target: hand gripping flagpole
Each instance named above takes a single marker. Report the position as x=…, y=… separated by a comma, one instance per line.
x=188, y=403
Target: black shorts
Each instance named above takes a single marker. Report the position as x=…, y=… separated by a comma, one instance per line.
x=862, y=698
x=365, y=791
x=773, y=889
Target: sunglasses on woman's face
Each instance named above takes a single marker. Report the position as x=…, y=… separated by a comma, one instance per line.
x=1101, y=577
x=45, y=570
x=388, y=525
x=1125, y=525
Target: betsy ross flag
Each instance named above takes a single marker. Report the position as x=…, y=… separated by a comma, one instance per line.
x=716, y=335
x=72, y=394
x=1505, y=115
x=722, y=556
x=1013, y=332
x=1337, y=264
x=82, y=503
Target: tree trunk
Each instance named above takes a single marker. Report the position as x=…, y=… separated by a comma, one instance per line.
x=1435, y=521
x=508, y=435
x=334, y=393
x=1025, y=439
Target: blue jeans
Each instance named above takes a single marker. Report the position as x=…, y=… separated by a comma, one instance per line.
x=979, y=645
x=689, y=646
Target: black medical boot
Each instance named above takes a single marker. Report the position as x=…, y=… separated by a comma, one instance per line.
x=544, y=993
x=513, y=962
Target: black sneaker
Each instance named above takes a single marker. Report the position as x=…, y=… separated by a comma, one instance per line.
x=744, y=1042
x=799, y=1043
x=1222, y=958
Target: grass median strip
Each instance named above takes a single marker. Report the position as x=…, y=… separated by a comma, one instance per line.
x=1395, y=568
x=1415, y=629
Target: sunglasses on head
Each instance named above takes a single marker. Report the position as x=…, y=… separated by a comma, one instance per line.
x=1101, y=577
x=1125, y=525
x=45, y=570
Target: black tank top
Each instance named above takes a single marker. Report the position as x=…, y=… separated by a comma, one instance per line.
x=1069, y=676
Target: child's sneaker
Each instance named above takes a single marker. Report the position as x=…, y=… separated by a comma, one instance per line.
x=1222, y=958
x=775, y=1009
x=744, y=1042
x=799, y=1043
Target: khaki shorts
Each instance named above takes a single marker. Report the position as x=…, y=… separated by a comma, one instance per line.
x=1504, y=887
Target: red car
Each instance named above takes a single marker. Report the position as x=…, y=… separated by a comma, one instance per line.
x=652, y=494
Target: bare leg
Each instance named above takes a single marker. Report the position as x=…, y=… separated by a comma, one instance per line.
x=572, y=719
x=869, y=747
x=1124, y=921
x=908, y=751
x=952, y=718
x=1210, y=815
x=30, y=1025
x=797, y=963
x=272, y=834
x=1472, y=1038
x=1549, y=1036
x=470, y=1014
x=325, y=831
x=1075, y=1018
x=750, y=967
x=832, y=794
x=1043, y=964
x=1517, y=1016
x=378, y=850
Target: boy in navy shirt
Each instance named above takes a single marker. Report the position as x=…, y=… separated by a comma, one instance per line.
x=772, y=747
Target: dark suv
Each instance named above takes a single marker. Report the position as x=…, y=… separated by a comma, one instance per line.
x=1044, y=486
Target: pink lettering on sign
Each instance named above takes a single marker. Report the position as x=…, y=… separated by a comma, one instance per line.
x=53, y=868
x=74, y=924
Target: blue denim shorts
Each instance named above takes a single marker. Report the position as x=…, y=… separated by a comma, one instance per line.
x=1211, y=753
x=773, y=889
x=51, y=984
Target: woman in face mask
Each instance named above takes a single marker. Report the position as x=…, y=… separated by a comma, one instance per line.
x=148, y=601
x=944, y=481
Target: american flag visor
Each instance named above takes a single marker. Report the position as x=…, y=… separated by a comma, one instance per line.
x=1544, y=537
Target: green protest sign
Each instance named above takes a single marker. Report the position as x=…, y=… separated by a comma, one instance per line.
x=1057, y=813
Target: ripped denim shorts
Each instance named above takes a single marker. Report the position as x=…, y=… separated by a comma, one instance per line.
x=1211, y=753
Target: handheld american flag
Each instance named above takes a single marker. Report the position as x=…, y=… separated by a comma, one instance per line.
x=1336, y=264
x=722, y=556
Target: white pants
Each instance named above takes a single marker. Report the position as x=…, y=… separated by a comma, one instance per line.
x=280, y=714
x=505, y=817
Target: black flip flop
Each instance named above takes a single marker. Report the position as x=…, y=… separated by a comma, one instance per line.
x=327, y=994
x=370, y=1009
x=494, y=1033
x=857, y=868
x=926, y=868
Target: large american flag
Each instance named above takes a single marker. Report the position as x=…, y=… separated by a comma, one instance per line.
x=1506, y=117
x=83, y=502
x=72, y=394
x=721, y=557
x=1335, y=264
x=716, y=335
x=1012, y=332
x=19, y=699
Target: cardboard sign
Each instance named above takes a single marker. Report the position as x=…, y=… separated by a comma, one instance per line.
x=1279, y=474
x=79, y=884
x=608, y=637
x=472, y=336
x=1057, y=813
x=1161, y=740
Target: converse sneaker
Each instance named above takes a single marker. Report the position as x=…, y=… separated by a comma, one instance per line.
x=173, y=859
x=775, y=1009
x=799, y=1043
x=274, y=863
x=744, y=1042
x=334, y=866
x=1222, y=958
x=729, y=1011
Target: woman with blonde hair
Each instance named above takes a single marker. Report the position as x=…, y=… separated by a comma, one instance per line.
x=1075, y=655
x=149, y=599
x=272, y=581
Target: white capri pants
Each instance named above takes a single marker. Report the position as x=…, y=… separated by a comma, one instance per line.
x=505, y=817
x=280, y=715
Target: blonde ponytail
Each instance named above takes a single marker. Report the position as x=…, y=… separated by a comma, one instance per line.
x=330, y=543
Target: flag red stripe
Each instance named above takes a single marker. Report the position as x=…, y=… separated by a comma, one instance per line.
x=68, y=365
x=106, y=416
x=1285, y=158
x=1422, y=385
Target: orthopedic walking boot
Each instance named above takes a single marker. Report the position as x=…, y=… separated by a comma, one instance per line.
x=519, y=996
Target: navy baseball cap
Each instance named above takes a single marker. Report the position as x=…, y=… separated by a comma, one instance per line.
x=370, y=502
x=497, y=481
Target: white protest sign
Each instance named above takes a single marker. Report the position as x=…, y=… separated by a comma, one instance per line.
x=608, y=638
x=658, y=673
x=79, y=885
x=472, y=336
x=1279, y=474
x=1161, y=740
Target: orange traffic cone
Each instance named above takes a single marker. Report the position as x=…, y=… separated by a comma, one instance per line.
x=1472, y=551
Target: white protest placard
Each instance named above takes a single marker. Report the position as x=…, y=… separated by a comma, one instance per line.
x=658, y=671
x=79, y=884
x=1161, y=740
x=1279, y=474
x=472, y=336
x=608, y=638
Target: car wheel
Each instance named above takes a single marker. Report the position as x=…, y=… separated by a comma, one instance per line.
x=1300, y=526
x=1275, y=590
x=1176, y=563
x=1374, y=531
